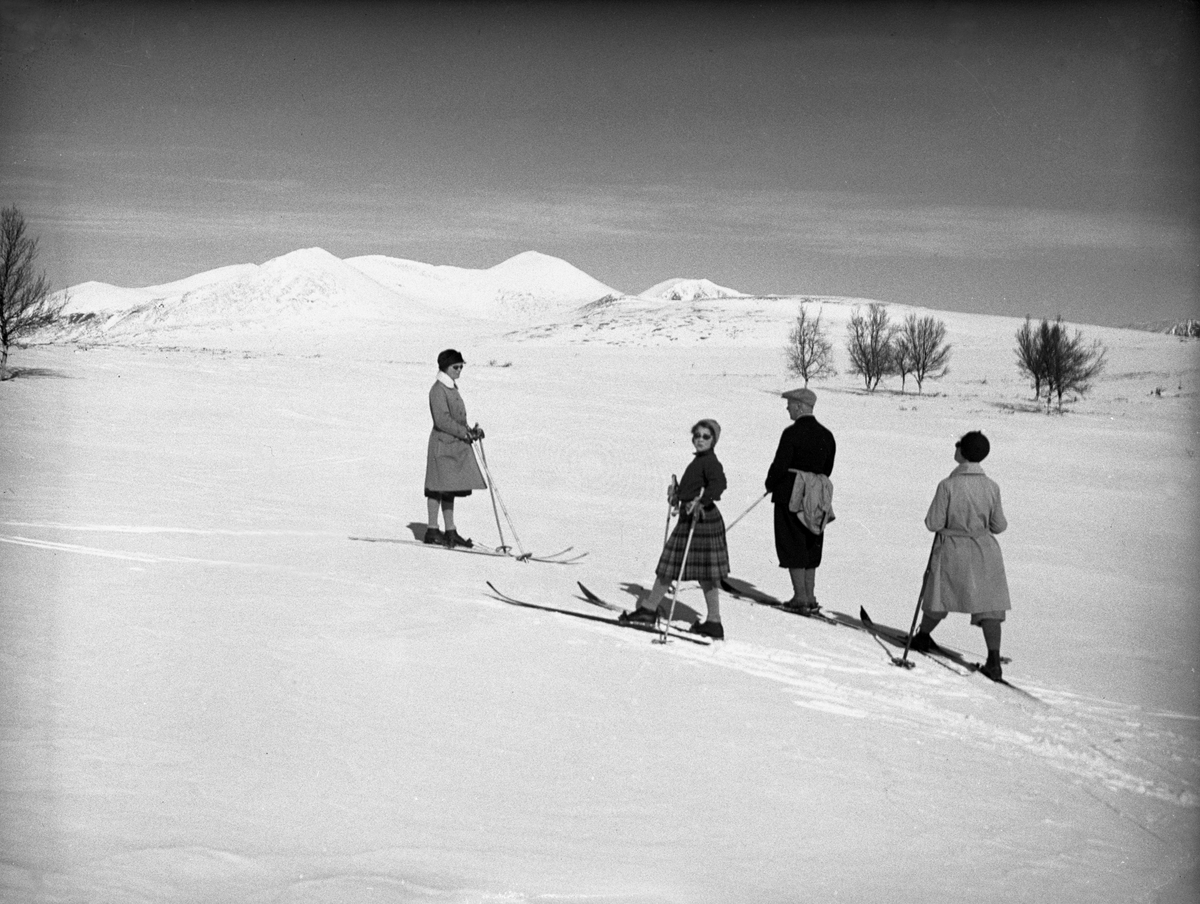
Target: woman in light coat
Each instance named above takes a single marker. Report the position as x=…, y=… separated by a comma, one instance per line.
x=451, y=470
x=966, y=569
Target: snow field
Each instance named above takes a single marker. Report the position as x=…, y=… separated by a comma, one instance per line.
x=217, y=695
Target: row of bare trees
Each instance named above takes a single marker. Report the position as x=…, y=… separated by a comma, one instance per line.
x=1056, y=362
x=26, y=304
x=877, y=346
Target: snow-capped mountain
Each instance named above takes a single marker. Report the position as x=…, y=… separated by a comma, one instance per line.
x=680, y=289
x=311, y=290
x=526, y=287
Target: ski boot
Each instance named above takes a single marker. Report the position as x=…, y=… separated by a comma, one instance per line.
x=639, y=616
x=802, y=607
x=433, y=536
x=991, y=668
x=451, y=539
x=922, y=642
x=711, y=629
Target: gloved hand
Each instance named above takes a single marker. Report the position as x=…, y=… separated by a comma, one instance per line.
x=474, y=433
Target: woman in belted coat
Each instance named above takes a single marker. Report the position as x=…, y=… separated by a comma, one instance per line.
x=966, y=569
x=451, y=470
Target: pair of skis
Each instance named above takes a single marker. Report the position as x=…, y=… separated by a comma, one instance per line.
x=669, y=630
x=566, y=556
x=743, y=591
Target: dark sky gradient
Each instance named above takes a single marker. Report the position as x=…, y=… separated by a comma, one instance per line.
x=1001, y=158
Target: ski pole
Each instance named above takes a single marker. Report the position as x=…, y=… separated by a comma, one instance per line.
x=729, y=526
x=924, y=581
x=503, y=547
x=682, y=565
x=496, y=490
x=670, y=510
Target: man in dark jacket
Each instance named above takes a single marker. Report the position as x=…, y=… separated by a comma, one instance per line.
x=809, y=447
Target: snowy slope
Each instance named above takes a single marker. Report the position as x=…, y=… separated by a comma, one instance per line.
x=92, y=297
x=213, y=693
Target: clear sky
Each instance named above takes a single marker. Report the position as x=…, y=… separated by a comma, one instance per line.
x=1034, y=158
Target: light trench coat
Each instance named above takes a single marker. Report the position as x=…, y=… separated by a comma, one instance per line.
x=450, y=465
x=966, y=570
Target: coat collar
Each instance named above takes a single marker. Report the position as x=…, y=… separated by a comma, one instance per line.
x=969, y=467
x=445, y=380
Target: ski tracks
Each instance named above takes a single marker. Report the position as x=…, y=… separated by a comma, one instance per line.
x=142, y=558
x=1092, y=743
x=842, y=677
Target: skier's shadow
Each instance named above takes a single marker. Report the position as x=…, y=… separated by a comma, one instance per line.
x=418, y=529
x=683, y=612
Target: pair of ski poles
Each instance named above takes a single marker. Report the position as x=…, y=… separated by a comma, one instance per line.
x=688, y=547
x=481, y=455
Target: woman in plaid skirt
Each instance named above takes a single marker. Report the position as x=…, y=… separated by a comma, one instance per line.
x=708, y=556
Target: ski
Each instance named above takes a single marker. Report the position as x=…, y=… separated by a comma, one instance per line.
x=586, y=616
x=593, y=598
x=555, y=558
x=469, y=550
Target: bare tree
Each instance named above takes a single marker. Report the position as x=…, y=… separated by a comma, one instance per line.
x=922, y=349
x=1056, y=362
x=1070, y=365
x=1030, y=361
x=25, y=301
x=809, y=352
x=902, y=357
x=870, y=341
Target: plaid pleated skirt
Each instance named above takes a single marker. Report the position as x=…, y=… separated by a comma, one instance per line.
x=708, y=556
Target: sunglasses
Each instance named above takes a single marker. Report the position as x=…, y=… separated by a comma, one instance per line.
x=701, y=436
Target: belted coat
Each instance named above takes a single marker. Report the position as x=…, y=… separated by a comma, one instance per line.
x=966, y=569
x=450, y=465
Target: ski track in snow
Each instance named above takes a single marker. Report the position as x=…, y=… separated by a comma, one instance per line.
x=1060, y=729
x=148, y=559
x=151, y=529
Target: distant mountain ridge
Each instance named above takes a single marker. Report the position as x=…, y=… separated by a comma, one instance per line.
x=313, y=282
x=311, y=295
x=526, y=286
x=1189, y=327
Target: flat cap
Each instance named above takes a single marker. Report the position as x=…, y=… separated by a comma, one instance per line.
x=805, y=396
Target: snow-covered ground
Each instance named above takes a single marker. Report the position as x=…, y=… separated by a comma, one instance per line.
x=213, y=694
